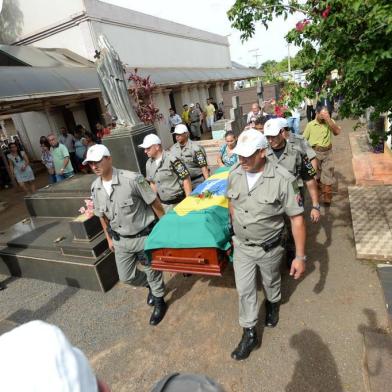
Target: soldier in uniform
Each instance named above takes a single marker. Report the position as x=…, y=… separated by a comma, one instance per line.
x=168, y=176
x=194, y=119
x=191, y=154
x=292, y=155
x=126, y=207
x=259, y=194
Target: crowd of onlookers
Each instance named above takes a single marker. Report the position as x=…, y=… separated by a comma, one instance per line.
x=197, y=119
x=61, y=155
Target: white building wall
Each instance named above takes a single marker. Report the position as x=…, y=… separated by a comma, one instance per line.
x=36, y=15
x=152, y=49
x=141, y=40
x=77, y=39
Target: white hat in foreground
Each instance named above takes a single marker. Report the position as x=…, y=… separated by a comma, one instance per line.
x=192, y=105
x=180, y=129
x=38, y=357
x=150, y=140
x=95, y=153
x=272, y=127
x=249, y=142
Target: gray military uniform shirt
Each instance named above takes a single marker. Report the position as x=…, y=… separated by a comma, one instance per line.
x=295, y=159
x=128, y=206
x=303, y=145
x=192, y=155
x=259, y=213
x=167, y=176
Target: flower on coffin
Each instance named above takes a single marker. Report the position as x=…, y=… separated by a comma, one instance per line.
x=205, y=195
x=87, y=211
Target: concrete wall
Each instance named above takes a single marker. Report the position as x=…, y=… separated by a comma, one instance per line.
x=247, y=96
x=77, y=39
x=31, y=126
x=141, y=40
x=152, y=49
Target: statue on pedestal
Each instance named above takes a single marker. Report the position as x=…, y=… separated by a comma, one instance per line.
x=111, y=75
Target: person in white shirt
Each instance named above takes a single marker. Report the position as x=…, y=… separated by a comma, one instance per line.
x=254, y=113
x=173, y=120
x=69, y=141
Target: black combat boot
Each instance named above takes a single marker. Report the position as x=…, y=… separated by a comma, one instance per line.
x=159, y=310
x=150, y=297
x=247, y=344
x=272, y=314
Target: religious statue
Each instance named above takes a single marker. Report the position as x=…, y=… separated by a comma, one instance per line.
x=111, y=75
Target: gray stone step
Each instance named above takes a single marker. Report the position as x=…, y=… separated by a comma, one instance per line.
x=51, y=266
x=45, y=249
x=62, y=199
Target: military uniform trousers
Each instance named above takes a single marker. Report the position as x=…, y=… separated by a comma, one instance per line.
x=195, y=129
x=129, y=252
x=247, y=260
x=325, y=167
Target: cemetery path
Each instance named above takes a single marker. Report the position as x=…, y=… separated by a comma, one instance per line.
x=317, y=346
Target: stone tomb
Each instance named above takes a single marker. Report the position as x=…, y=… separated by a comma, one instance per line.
x=57, y=245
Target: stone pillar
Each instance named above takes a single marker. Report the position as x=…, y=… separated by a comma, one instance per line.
x=79, y=114
x=219, y=92
x=194, y=94
x=162, y=102
x=24, y=137
x=178, y=101
x=186, y=99
x=203, y=93
x=55, y=119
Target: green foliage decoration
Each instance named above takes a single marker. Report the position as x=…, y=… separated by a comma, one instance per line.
x=351, y=36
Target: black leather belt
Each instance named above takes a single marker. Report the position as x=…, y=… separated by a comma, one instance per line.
x=270, y=244
x=116, y=236
x=196, y=178
x=177, y=200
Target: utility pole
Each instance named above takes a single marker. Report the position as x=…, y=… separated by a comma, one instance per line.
x=256, y=55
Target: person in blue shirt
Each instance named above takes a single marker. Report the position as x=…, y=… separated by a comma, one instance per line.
x=226, y=155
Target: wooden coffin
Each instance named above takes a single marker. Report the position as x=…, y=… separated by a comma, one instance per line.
x=202, y=261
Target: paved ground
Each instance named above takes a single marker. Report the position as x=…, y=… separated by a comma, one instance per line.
x=317, y=346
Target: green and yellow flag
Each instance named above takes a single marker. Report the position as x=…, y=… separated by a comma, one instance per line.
x=201, y=220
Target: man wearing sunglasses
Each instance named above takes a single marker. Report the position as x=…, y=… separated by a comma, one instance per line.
x=127, y=208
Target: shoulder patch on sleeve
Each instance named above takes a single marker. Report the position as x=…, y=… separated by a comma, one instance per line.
x=200, y=158
x=179, y=168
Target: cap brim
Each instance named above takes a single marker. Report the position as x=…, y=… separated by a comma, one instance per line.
x=180, y=133
x=97, y=159
x=144, y=145
x=272, y=134
x=244, y=151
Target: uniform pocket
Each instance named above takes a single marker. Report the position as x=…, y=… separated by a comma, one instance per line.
x=233, y=195
x=126, y=203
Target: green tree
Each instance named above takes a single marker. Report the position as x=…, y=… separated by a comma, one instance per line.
x=352, y=36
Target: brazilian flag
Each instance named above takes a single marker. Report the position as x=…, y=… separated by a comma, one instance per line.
x=201, y=220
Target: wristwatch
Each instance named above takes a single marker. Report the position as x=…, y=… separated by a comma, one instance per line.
x=316, y=207
x=303, y=258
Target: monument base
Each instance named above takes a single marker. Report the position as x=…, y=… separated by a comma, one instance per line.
x=123, y=144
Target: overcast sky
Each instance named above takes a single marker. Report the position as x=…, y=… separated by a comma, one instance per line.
x=210, y=15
